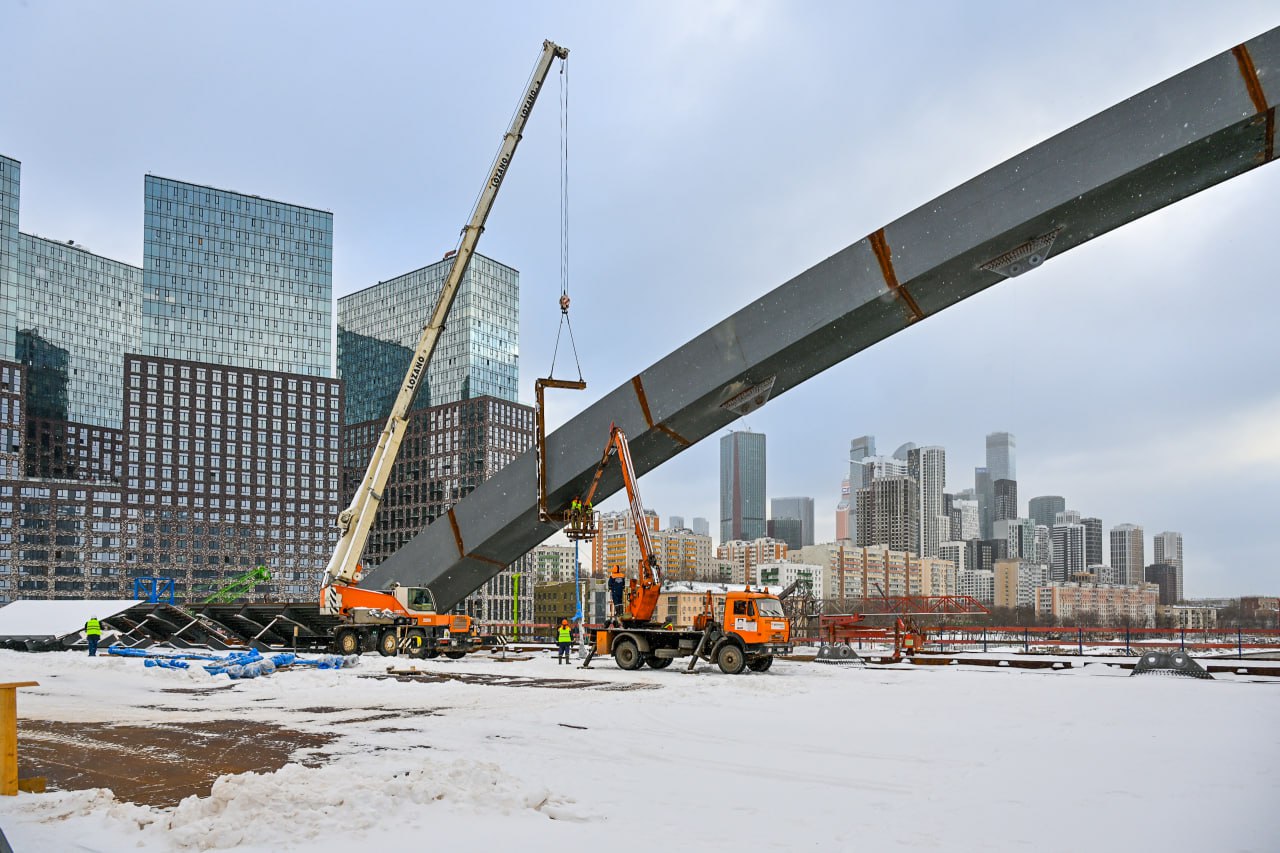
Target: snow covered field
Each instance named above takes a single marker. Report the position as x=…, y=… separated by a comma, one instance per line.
x=805, y=757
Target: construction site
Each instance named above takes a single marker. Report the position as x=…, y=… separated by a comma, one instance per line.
x=381, y=713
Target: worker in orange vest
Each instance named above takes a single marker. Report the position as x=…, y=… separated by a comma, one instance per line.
x=617, y=584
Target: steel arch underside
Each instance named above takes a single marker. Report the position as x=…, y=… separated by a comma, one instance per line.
x=1209, y=123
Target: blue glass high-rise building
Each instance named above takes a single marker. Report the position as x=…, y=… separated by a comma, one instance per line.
x=742, y=486
x=10, y=183
x=77, y=315
x=478, y=354
x=236, y=279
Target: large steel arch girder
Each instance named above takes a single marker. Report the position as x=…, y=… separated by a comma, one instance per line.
x=1207, y=124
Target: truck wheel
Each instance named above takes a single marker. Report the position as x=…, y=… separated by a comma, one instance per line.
x=656, y=662
x=455, y=655
x=388, y=643
x=416, y=640
x=760, y=664
x=627, y=655
x=347, y=641
x=731, y=659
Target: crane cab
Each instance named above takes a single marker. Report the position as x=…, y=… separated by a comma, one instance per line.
x=414, y=599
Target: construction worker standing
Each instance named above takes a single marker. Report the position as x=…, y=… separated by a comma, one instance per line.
x=93, y=633
x=564, y=639
x=617, y=584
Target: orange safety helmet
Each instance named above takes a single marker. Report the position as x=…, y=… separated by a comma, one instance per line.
x=564, y=621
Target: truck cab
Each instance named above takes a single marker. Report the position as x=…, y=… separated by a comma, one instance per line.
x=757, y=619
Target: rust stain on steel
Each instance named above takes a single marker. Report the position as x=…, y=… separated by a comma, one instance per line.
x=648, y=417
x=457, y=534
x=1250, y=75
x=883, y=254
x=644, y=401
x=673, y=434
x=483, y=559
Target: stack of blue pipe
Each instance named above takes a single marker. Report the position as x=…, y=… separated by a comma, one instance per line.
x=246, y=664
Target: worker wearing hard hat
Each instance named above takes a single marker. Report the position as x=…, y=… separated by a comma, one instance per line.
x=564, y=639
x=93, y=633
x=617, y=584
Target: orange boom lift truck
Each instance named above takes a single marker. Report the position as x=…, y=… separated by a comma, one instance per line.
x=745, y=634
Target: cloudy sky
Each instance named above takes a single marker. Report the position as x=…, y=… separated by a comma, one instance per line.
x=716, y=150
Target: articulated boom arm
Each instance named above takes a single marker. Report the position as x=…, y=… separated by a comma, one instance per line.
x=357, y=519
x=644, y=592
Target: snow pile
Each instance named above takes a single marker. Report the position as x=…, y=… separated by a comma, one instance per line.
x=303, y=808
x=306, y=806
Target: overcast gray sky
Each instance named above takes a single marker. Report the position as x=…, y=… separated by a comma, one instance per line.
x=716, y=150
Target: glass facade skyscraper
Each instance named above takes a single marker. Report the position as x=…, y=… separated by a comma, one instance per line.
x=742, y=486
x=10, y=181
x=478, y=354
x=236, y=279
x=77, y=315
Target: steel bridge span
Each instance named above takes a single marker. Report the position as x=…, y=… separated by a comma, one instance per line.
x=1203, y=126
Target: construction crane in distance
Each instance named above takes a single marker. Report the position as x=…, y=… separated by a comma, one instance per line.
x=239, y=585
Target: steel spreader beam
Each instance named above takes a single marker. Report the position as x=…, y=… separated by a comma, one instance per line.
x=1207, y=124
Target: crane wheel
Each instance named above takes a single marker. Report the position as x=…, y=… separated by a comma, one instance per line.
x=388, y=643
x=731, y=659
x=347, y=642
x=656, y=662
x=416, y=640
x=760, y=664
x=455, y=655
x=627, y=655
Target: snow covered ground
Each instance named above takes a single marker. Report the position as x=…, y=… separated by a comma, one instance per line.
x=804, y=757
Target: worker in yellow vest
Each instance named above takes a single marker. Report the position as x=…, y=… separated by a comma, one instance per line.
x=564, y=639
x=93, y=633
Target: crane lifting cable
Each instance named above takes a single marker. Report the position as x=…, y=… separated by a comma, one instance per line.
x=579, y=521
x=564, y=227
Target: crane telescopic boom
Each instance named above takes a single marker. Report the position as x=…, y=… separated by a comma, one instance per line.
x=648, y=584
x=357, y=519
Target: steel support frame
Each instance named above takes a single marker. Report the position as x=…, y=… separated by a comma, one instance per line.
x=1207, y=124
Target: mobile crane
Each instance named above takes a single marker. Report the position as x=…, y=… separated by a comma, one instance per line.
x=759, y=628
x=405, y=618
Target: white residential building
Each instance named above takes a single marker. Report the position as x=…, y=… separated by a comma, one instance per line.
x=554, y=563
x=978, y=583
x=814, y=579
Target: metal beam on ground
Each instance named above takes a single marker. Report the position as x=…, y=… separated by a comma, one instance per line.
x=1207, y=124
